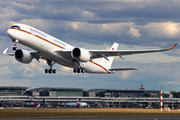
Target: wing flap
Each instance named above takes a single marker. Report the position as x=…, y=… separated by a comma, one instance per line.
x=65, y=53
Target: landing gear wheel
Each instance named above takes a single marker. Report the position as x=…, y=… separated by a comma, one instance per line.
x=14, y=48
x=54, y=71
x=50, y=71
x=75, y=70
x=82, y=70
x=46, y=71
x=78, y=70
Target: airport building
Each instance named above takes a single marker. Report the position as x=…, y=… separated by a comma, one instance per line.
x=57, y=97
x=54, y=92
x=11, y=91
x=124, y=93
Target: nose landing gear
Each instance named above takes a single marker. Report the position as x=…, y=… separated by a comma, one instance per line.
x=15, y=47
x=50, y=70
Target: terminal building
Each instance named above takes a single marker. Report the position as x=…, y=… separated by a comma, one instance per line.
x=123, y=93
x=57, y=97
x=54, y=92
x=12, y=91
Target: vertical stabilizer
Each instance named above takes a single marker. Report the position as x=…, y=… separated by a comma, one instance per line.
x=109, y=60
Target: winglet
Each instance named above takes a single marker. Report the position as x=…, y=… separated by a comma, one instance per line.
x=173, y=46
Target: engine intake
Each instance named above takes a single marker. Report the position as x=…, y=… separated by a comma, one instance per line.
x=23, y=56
x=80, y=54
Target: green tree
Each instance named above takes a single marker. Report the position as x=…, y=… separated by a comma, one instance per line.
x=175, y=94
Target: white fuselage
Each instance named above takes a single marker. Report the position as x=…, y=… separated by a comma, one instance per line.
x=71, y=104
x=82, y=104
x=46, y=46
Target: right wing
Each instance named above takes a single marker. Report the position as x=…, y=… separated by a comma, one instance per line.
x=34, y=54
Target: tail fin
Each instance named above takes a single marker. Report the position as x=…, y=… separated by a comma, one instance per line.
x=78, y=101
x=108, y=62
x=43, y=102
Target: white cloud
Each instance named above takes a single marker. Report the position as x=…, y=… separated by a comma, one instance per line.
x=162, y=30
x=134, y=32
x=23, y=6
x=152, y=58
x=121, y=29
x=125, y=75
x=5, y=25
x=41, y=24
x=110, y=28
x=173, y=82
x=75, y=26
x=8, y=12
x=87, y=14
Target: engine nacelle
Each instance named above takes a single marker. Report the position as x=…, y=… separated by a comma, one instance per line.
x=80, y=54
x=23, y=56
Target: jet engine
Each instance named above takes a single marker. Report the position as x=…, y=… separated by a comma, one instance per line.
x=80, y=54
x=23, y=56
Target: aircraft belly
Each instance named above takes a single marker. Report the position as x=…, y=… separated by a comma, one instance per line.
x=44, y=48
x=94, y=68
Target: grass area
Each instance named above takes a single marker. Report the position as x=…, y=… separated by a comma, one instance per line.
x=33, y=112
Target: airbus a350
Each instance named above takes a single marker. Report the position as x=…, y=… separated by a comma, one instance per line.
x=54, y=51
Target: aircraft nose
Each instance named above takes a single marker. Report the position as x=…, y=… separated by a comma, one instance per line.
x=11, y=33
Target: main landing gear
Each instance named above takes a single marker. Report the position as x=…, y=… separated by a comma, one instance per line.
x=50, y=70
x=78, y=70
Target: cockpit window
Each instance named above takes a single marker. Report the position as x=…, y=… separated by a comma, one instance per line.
x=15, y=26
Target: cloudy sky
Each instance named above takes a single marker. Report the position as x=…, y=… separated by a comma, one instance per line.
x=97, y=24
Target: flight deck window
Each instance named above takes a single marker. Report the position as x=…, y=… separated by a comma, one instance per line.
x=15, y=26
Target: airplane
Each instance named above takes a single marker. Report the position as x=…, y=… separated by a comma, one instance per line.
x=54, y=51
x=37, y=104
x=71, y=104
x=80, y=104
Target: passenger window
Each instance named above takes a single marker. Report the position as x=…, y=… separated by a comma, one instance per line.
x=15, y=26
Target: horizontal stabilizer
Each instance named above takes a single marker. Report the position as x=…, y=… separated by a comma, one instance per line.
x=122, y=69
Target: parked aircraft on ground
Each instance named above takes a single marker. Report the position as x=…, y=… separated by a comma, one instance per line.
x=37, y=104
x=54, y=51
x=82, y=104
x=78, y=103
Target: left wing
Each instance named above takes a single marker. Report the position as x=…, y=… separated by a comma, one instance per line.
x=120, y=53
x=122, y=69
x=108, y=53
